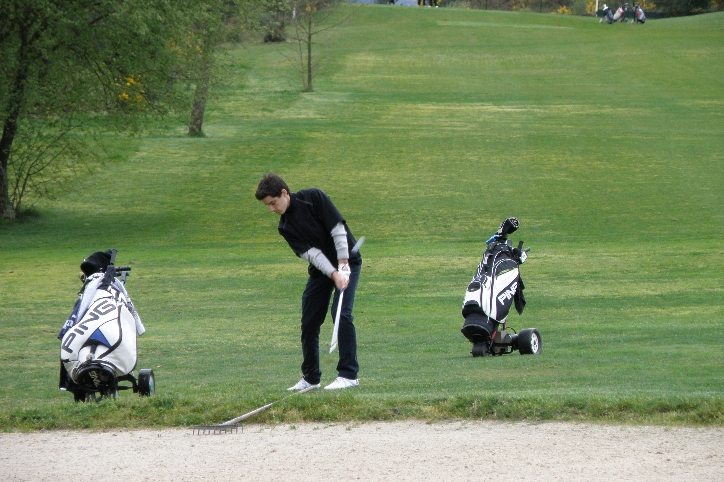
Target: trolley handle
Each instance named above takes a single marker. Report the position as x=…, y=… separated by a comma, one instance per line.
x=520, y=247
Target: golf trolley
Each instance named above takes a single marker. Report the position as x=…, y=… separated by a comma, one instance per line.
x=501, y=342
x=98, y=341
x=495, y=287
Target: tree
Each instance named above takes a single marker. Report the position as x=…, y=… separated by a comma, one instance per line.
x=310, y=18
x=274, y=20
x=69, y=67
x=214, y=23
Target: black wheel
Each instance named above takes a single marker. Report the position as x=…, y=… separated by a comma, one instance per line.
x=79, y=396
x=146, y=382
x=479, y=349
x=529, y=342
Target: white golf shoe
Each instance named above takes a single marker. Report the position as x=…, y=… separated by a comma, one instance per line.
x=302, y=384
x=341, y=382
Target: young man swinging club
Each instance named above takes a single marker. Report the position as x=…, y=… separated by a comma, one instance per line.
x=317, y=233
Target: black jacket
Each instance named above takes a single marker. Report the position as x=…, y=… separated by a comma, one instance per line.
x=307, y=223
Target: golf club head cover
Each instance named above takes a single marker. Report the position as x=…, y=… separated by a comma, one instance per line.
x=508, y=226
x=96, y=262
x=344, y=270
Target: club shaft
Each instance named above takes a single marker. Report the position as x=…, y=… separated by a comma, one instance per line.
x=358, y=245
x=335, y=330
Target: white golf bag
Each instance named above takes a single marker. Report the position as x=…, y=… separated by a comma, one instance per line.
x=98, y=341
x=639, y=16
x=620, y=15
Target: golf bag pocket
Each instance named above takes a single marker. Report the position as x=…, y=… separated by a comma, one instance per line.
x=494, y=286
x=478, y=327
x=495, y=295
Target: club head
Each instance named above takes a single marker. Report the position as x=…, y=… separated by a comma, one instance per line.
x=358, y=245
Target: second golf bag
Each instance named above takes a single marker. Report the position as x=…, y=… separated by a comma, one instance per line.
x=607, y=14
x=496, y=286
x=98, y=341
x=639, y=16
x=620, y=15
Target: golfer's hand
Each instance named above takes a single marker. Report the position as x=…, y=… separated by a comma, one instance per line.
x=344, y=270
x=339, y=280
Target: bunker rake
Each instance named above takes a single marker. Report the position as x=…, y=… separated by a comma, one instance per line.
x=233, y=425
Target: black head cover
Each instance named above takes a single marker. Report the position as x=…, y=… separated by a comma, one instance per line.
x=508, y=226
x=96, y=262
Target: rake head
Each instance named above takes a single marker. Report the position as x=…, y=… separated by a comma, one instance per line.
x=216, y=429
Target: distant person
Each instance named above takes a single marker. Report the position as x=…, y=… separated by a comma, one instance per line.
x=317, y=233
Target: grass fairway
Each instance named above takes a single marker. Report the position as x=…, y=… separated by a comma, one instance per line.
x=428, y=127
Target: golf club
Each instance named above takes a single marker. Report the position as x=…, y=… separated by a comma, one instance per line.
x=358, y=245
x=335, y=330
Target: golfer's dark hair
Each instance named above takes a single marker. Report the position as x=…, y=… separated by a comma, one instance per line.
x=271, y=185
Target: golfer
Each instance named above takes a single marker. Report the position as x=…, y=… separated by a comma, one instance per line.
x=317, y=233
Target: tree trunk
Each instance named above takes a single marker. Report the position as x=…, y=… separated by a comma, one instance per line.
x=309, y=54
x=7, y=211
x=197, y=112
x=17, y=92
x=202, y=89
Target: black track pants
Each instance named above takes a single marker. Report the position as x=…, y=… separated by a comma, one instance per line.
x=315, y=304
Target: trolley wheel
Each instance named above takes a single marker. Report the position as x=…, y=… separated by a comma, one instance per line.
x=146, y=382
x=87, y=397
x=529, y=342
x=479, y=349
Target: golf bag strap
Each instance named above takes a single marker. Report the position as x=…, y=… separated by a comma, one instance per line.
x=519, y=297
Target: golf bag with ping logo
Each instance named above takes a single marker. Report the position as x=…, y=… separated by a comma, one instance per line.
x=494, y=289
x=98, y=341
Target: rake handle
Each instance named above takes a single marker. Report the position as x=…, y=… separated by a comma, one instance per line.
x=261, y=409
